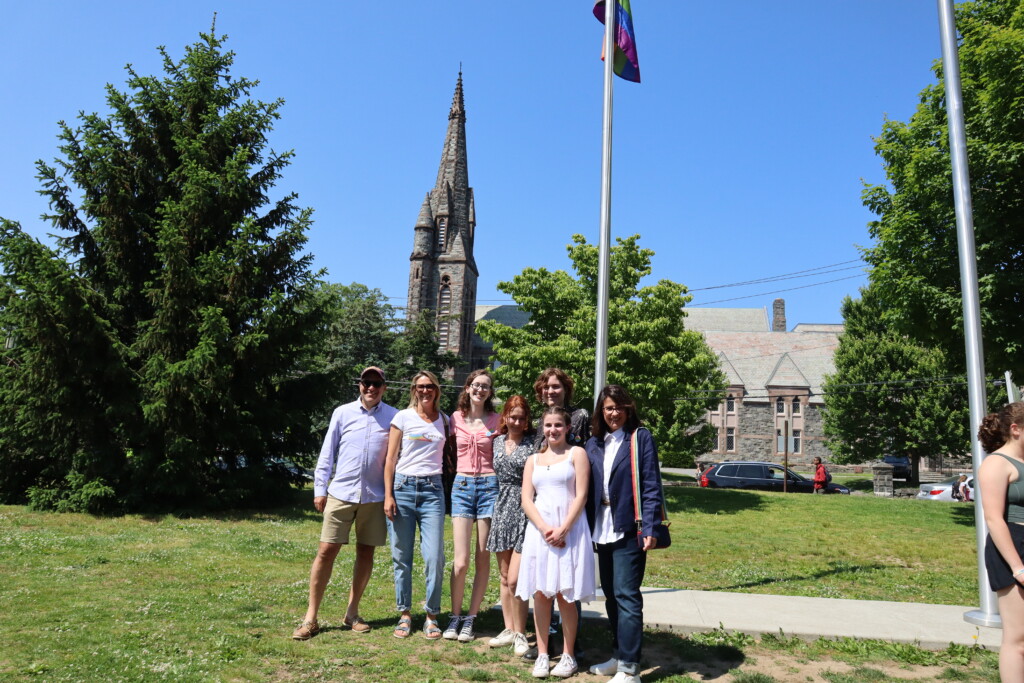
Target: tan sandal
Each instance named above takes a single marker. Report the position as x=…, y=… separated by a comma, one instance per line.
x=356, y=624
x=306, y=630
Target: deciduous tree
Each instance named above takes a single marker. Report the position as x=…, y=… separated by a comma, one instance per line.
x=915, y=268
x=649, y=350
x=889, y=394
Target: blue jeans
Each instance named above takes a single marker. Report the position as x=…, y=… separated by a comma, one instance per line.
x=420, y=501
x=622, y=565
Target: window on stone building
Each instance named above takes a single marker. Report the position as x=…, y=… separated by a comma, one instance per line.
x=780, y=406
x=444, y=310
x=796, y=406
x=780, y=444
x=730, y=439
x=442, y=225
x=796, y=440
x=730, y=404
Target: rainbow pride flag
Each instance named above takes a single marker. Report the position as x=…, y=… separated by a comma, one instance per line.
x=626, y=64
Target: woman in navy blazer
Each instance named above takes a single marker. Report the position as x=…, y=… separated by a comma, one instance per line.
x=621, y=550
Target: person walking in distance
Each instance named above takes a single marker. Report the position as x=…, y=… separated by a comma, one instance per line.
x=348, y=488
x=820, y=476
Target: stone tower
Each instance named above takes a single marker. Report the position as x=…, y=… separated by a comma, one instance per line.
x=442, y=271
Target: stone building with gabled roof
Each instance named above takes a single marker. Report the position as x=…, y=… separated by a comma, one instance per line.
x=775, y=377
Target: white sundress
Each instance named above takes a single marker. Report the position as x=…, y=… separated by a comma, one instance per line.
x=568, y=570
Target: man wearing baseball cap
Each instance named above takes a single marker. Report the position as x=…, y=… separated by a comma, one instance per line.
x=348, y=488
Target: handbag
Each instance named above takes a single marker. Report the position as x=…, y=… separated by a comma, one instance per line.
x=660, y=528
x=448, y=466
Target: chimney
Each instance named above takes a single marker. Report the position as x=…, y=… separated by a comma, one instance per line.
x=779, y=315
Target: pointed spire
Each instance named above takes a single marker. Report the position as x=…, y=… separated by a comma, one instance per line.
x=453, y=168
x=458, y=104
x=426, y=219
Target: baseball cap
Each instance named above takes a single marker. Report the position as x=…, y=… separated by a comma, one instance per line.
x=373, y=368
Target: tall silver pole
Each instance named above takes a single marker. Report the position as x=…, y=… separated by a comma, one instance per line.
x=988, y=615
x=605, y=238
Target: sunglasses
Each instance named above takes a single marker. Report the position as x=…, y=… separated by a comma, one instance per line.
x=426, y=387
x=375, y=383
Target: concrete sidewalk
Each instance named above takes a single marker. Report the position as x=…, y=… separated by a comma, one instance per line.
x=932, y=627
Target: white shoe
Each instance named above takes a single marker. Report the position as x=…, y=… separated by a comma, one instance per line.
x=452, y=632
x=519, y=644
x=566, y=667
x=502, y=639
x=609, y=668
x=623, y=677
x=542, y=667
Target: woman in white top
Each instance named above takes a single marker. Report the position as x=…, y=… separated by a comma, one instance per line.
x=558, y=558
x=413, y=496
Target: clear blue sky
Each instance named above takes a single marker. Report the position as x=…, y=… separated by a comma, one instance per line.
x=741, y=155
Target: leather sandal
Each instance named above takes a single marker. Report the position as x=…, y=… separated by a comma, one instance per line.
x=306, y=630
x=404, y=628
x=356, y=624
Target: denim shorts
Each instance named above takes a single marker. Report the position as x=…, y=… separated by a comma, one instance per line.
x=474, y=497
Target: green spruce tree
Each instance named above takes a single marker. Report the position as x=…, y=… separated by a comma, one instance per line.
x=162, y=352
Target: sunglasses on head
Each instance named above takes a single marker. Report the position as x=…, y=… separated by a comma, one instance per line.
x=375, y=383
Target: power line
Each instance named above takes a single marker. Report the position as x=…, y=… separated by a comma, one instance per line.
x=777, y=291
x=789, y=276
x=809, y=272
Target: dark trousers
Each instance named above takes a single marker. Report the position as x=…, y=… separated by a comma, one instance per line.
x=621, y=565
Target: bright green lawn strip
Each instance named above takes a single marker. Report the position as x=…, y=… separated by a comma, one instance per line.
x=859, y=547
x=135, y=598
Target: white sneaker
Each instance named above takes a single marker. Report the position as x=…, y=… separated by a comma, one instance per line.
x=609, y=668
x=466, y=633
x=542, y=667
x=519, y=644
x=623, y=677
x=566, y=667
x=452, y=632
x=502, y=639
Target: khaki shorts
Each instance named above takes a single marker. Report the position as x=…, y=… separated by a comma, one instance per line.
x=371, y=529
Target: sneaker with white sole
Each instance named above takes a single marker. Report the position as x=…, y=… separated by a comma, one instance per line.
x=542, y=667
x=566, y=667
x=609, y=668
x=503, y=639
x=452, y=632
x=519, y=644
x=466, y=633
x=623, y=677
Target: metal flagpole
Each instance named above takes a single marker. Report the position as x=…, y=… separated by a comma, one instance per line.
x=988, y=615
x=604, y=240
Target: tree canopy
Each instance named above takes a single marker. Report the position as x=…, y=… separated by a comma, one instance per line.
x=649, y=350
x=160, y=354
x=890, y=395
x=915, y=266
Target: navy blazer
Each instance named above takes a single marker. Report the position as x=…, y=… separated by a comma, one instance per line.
x=620, y=485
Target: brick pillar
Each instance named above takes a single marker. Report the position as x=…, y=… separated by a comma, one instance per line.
x=779, y=315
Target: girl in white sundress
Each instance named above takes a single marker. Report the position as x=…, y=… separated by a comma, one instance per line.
x=558, y=558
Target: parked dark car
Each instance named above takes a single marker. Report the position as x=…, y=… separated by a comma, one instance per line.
x=759, y=476
x=900, y=465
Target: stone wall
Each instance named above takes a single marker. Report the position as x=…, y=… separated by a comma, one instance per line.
x=756, y=436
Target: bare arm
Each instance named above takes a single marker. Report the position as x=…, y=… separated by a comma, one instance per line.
x=994, y=477
x=390, y=462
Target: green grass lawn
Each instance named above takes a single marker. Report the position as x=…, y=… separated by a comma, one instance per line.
x=216, y=597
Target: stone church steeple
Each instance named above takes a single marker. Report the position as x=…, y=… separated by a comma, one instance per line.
x=442, y=271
